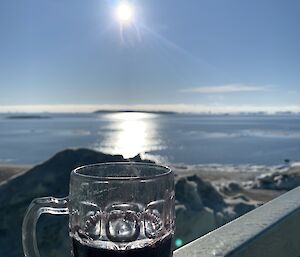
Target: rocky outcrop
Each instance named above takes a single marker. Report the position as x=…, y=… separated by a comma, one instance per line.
x=286, y=179
x=200, y=207
x=48, y=179
x=210, y=196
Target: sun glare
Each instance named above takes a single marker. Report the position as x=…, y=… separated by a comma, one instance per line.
x=124, y=12
x=130, y=134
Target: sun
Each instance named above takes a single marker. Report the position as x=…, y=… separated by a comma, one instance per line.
x=124, y=12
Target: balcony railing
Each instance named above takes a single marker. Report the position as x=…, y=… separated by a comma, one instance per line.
x=272, y=230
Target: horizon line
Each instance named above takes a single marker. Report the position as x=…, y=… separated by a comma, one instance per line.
x=179, y=108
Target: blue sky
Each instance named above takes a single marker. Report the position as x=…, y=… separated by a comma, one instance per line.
x=218, y=53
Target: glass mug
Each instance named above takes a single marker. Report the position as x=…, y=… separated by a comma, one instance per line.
x=115, y=209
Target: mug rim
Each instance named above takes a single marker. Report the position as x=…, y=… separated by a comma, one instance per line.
x=76, y=171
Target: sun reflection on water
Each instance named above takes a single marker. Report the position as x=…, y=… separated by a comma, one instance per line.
x=130, y=133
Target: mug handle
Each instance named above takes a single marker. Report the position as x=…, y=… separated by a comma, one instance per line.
x=51, y=205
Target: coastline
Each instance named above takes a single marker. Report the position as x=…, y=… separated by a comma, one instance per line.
x=221, y=176
x=220, y=173
x=10, y=170
x=217, y=174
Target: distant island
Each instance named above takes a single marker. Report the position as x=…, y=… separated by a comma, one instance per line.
x=258, y=113
x=132, y=111
x=19, y=117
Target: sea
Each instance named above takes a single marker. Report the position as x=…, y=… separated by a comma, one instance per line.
x=191, y=139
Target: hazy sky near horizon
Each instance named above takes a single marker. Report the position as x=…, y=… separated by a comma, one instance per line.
x=196, y=52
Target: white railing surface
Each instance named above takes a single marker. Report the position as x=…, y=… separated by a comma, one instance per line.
x=272, y=230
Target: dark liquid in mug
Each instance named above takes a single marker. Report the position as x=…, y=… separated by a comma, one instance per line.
x=159, y=249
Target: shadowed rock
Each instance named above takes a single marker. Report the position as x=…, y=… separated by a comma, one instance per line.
x=200, y=208
x=187, y=194
x=48, y=179
x=208, y=193
x=284, y=180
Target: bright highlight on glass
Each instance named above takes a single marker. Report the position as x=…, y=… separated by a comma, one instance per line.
x=124, y=12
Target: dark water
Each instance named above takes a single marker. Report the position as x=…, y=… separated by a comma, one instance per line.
x=159, y=249
x=190, y=139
